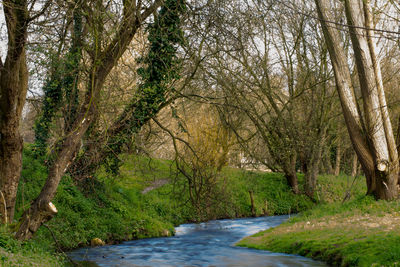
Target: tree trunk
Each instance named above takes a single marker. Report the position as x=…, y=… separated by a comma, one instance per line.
x=310, y=181
x=398, y=144
x=380, y=133
x=303, y=162
x=38, y=213
x=398, y=136
x=338, y=158
x=310, y=177
x=291, y=174
x=374, y=149
x=64, y=155
x=11, y=139
x=253, y=209
x=292, y=181
x=354, y=166
x=328, y=169
x=13, y=88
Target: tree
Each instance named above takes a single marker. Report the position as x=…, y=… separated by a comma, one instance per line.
x=201, y=153
x=61, y=86
x=103, y=56
x=13, y=89
x=370, y=131
x=160, y=68
x=275, y=75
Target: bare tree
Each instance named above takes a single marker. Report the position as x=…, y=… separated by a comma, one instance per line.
x=275, y=75
x=371, y=132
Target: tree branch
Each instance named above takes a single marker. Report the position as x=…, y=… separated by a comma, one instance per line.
x=41, y=12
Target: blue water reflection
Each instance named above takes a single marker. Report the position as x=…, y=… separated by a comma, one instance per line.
x=205, y=244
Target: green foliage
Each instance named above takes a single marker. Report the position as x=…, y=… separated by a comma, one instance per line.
x=161, y=67
x=72, y=68
x=61, y=88
x=51, y=102
x=100, y=208
x=333, y=189
x=120, y=209
x=233, y=188
x=200, y=159
x=272, y=195
x=31, y=253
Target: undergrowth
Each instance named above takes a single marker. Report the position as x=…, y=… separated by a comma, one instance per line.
x=115, y=209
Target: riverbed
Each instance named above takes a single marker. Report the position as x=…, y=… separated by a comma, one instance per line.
x=205, y=244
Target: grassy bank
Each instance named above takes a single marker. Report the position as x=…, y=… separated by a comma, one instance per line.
x=31, y=253
x=361, y=232
x=146, y=200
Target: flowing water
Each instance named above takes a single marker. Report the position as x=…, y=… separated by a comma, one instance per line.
x=205, y=244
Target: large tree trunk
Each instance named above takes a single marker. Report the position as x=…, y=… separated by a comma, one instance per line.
x=377, y=118
x=375, y=148
x=64, y=154
x=11, y=139
x=344, y=87
x=13, y=88
x=39, y=211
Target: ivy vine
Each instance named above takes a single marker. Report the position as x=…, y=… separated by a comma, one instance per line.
x=161, y=67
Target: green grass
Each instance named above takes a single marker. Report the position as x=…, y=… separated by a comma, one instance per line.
x=99, y=208
x=272, y=195
x=114, y=209
x=110, y=209
x=333, y=189
x=31, y=253
x=361, y=232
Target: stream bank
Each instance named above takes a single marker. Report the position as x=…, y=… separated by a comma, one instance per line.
x=115, y=210
x=204, y=244
x=360, y=232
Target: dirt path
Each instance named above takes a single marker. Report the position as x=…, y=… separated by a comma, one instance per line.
x=155, y=185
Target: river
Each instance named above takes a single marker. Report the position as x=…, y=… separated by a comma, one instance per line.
x=205, y=244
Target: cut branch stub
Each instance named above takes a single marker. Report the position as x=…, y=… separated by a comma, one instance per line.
x=36, y=216
x=382, y=166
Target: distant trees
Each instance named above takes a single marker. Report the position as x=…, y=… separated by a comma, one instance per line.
x=370, y=130
x=271, y=83
x=201, y=153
